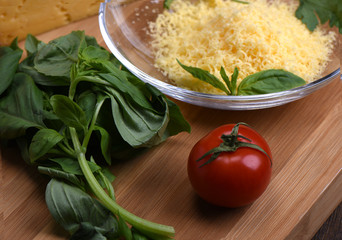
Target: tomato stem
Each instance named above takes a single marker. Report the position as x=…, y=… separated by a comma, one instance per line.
x=231, y=143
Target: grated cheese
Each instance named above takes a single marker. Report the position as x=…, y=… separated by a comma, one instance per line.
x=253, y=37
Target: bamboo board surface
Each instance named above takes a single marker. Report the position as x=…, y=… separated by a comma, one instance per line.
x=305, y=139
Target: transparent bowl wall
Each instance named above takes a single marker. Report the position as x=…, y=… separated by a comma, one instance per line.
x=123, y=25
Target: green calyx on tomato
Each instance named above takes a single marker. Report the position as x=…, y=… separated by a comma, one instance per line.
x=230, y=144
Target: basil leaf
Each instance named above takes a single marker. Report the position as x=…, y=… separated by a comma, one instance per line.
x=119, y=148
x=234, y=80
x=121, y=84
x=138, y=126
x=124, y=229
x=167, y=3
x=137, y=235
x=91, y=41
x=9, y=61
x=27, y=66
x=105, y=183
x=4, y=50
x=88, y=232
x=70, y=165
x=205, y=76
x=239, y=1
x=56, y=57
x=68, y=111
x=269, y=81
x=42, y=142
x=68, y=169
x=60, y=174
x=87, y=101
x=21, y=108
x=92, y=53
x=230, y=84
x=108, y=174
x=105, y=141
x=32, y=44
x=71, y=207
x=226, y=79
x=311, y=12
x=14, y=44
x=177, y=121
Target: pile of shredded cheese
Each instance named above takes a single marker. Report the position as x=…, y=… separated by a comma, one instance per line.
x=253, y=37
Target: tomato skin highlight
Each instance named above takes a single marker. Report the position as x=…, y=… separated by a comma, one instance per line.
x=233, y=179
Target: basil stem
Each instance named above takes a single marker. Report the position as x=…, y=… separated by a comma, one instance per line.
x=139, y=223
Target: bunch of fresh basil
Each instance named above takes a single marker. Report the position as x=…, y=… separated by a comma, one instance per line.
x=70, y=102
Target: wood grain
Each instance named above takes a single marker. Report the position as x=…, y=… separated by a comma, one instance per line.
x=305, y=187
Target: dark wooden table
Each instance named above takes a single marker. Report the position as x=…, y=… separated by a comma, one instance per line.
x=332, y=228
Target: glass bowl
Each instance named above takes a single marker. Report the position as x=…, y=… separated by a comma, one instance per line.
x=123, y=25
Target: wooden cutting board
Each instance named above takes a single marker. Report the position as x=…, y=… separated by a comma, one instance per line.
x=306, y=185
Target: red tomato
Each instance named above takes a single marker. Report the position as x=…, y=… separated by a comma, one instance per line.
x=232, y=179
